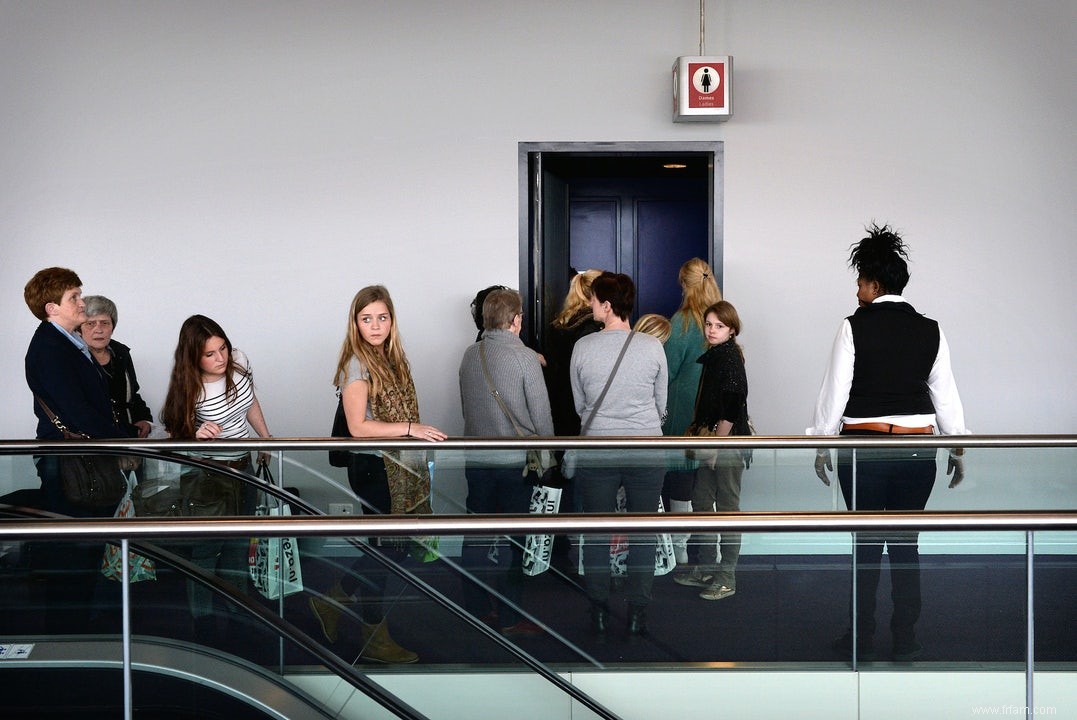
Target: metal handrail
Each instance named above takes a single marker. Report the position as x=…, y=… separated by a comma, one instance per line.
x=391, y=525
x=11, y=447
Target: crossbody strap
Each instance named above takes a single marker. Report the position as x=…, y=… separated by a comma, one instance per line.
x=609, y=381
x=57, y=422
x=494, y=392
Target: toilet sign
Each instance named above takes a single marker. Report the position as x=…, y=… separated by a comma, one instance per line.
x=702, y=88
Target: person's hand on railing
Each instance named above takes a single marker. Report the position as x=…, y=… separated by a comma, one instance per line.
x=822, y=464
x=956, y=466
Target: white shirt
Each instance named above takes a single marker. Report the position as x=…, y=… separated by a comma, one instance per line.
x=949, y=415
x=228, y=412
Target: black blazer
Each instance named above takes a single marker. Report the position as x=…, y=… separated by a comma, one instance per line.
x=71, y=384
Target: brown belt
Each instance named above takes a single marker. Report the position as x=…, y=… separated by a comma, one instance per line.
x=890, y=429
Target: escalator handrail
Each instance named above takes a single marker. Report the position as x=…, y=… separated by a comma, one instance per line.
x=439, y=598
x=278, y=624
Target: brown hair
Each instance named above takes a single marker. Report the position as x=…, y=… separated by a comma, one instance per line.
x=500, y=308
x=728, y=316
x=185, y=385
x=48, y=286
x=388, y=365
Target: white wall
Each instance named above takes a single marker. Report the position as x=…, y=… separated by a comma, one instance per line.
x=260, y=161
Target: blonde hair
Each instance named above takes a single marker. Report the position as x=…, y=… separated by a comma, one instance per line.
x=387, y=364
x=699, y=290
x=577, y=299
x=654, y=324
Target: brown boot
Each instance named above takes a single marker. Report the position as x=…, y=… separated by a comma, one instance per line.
x=329, y=609
x=379, y=646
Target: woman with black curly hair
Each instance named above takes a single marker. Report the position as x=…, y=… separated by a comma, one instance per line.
x=889, y=374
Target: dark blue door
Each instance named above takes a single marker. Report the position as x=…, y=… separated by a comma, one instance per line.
x=645, y=228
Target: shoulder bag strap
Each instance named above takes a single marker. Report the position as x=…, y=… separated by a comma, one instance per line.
x=494, y=392
x=609, y=381
x=57, y=422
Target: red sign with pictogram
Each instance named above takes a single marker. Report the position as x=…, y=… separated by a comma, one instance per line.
x=706, y=85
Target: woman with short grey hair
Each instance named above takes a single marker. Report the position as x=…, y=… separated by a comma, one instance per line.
x=114, y=360
x=502, y=394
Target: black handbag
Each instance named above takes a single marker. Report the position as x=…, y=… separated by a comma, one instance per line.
x=92, y=481
x=340, y=458
x=200, y=493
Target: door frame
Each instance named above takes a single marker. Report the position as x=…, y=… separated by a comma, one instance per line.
x=530, y=209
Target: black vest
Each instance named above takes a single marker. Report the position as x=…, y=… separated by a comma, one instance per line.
x=895, y=350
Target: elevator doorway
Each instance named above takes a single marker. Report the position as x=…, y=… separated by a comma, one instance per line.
x=637, y=208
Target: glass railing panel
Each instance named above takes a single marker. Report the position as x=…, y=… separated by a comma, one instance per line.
x=1054, y=588
x=54, y=587
x=1055, y=636
x=791, y=593
x=943, y=597
x=1010, y=478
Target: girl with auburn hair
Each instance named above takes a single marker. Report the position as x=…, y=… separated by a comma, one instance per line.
x=699, y=290
x=373, y=380
x=721, y=408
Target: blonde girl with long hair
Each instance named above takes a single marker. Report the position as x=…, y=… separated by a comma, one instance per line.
x=374, y=380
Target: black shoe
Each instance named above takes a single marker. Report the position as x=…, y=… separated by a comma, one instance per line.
x=600, y=619
x=907, y=650
x=637, y=621
x=865, y=647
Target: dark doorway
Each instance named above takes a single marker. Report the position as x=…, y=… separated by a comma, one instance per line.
x=637, y=208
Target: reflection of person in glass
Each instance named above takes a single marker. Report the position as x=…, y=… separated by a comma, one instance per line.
x=889, y=374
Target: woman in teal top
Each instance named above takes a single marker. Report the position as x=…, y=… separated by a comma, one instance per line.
x=686, y=343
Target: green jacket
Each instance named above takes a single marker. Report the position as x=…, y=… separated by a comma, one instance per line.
x=682, y=350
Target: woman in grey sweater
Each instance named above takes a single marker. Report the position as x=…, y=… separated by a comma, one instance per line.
x=495, y=484
x=634, y=405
